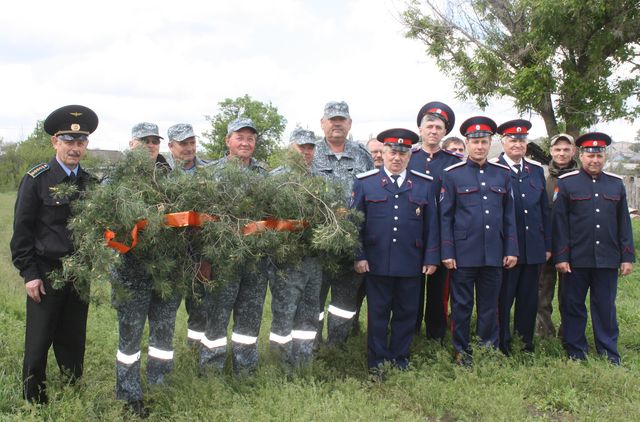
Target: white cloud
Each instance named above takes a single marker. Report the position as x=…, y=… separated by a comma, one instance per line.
x=169, y=62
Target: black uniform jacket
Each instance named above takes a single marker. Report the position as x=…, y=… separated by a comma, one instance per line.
x=591, y=223
x=40, y=233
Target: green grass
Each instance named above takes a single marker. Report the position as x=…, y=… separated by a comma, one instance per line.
x=543, y=386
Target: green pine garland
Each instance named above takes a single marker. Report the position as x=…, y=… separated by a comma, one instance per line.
x=136, y=189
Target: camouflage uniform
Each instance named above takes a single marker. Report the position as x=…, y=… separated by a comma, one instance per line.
x=244, y=296
x=344, y=286
x=135, y=299
x=199, y=163
x=355, y=159
x=194, y=300
x=295, y=294
x=549, y=275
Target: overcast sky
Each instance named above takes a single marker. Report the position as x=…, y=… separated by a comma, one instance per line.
x=171, y=62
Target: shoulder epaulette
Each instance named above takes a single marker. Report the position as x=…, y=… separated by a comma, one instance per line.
x=534, y=162
x=367, y=173
x=424, y=176
x=571, y=173
x=493, y=160
x=451, y=153
x=38, y=170
x=613, y=175
x=495, y=163
x=461, y=163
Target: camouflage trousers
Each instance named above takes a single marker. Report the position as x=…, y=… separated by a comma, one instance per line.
x=546, y=292
x=295, y=294
x=133, y=311
x=342, y=308
x=197, y=313
x=245, y=298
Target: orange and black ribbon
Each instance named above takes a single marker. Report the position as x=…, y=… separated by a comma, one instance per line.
x=274, y=224
x=196, y=219
x=188, y=219
x=109, y=235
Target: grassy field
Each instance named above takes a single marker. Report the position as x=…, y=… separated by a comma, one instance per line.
x=524, y=387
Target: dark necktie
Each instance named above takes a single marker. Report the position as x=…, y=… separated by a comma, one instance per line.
x=395, y=180
x=518, y=169
x=73, y=179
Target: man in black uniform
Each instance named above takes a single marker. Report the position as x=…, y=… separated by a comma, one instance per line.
x=435, y=120
x=40, y=239
x=592, y=244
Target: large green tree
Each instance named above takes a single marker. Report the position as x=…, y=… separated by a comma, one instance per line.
x=574, y=62
x=269, y=123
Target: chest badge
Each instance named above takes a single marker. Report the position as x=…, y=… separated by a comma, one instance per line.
x=418, y=211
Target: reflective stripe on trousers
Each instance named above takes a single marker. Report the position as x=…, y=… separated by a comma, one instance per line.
x=127, y=359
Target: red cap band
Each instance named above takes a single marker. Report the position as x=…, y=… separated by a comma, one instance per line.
x=593, y=143
x=439, y=111
x=516, y=130
x=478, y=128
x=401, y=141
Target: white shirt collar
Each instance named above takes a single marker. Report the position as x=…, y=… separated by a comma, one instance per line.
x=511, y=163
x=402, y=175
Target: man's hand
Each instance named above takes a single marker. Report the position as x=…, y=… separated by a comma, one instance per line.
x=361, y=267
x=450, y=264
x=563, y=267
x=34, y=289
x=204, y=271
x=429, y=269
x=547, y=255
x=626, y=268
x=509, y=261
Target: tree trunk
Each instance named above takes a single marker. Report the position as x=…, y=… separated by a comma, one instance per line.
x=548, y=115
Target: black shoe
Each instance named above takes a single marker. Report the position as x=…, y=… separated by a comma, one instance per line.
x=377, y=375
x=463, y=359
x=137, y=408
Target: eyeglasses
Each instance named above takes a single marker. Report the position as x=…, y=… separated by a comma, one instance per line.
x=150, y=140
x=69, y=137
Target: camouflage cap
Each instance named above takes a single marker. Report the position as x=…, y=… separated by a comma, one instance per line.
x=145, y=129
x=336, y=109
x=241, y=123
x=562, y=137
x=180, y=132
x=301, y=136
